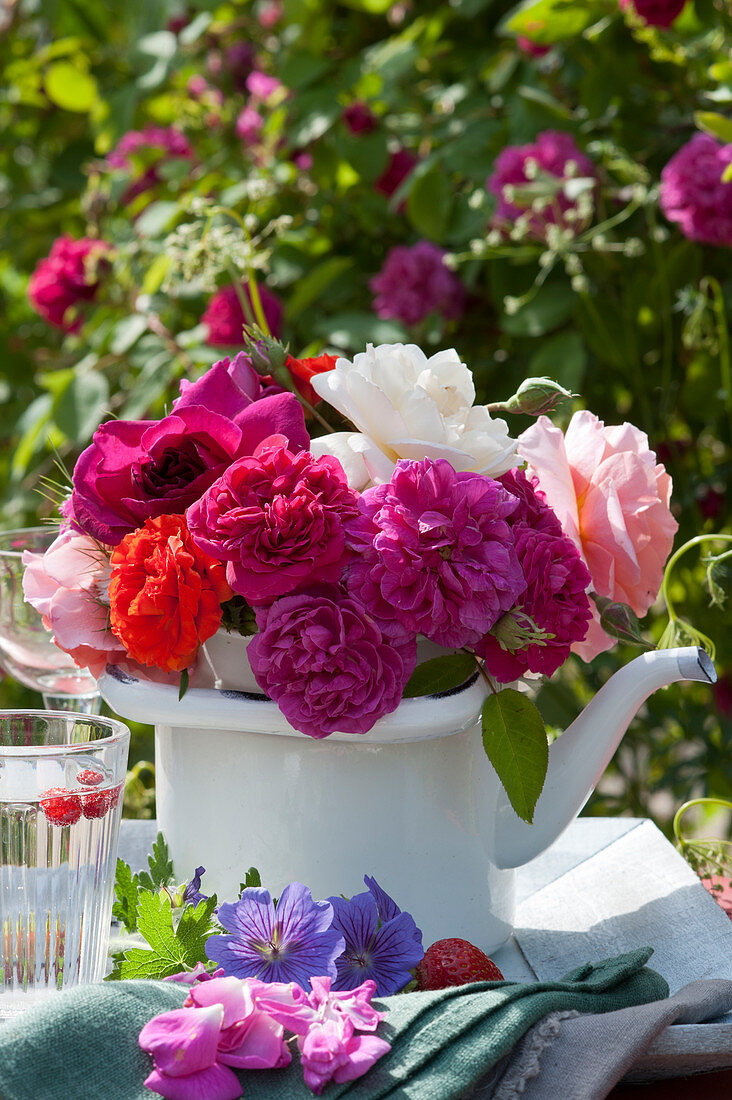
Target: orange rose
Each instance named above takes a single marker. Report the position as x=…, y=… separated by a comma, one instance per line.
x=302, y=370
x=165, y=594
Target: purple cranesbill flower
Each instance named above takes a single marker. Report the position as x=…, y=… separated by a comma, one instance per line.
x=288, y=942
x=192, y=893
x=386, y=907
x=383, y=951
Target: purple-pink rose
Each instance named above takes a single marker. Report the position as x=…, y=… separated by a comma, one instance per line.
x=225, y=318
x=554, y=159
x=401, y=163
x=326, y=663
x=359, y=118
x=555, y=599
x=278, y=519
x=415, y=282
x=693, y=194
x=66, y=277
x=162, y=143
x=436, y=552
x=262, y=86
x=138, y=469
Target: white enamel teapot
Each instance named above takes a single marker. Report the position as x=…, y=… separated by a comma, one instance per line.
x=414, y=802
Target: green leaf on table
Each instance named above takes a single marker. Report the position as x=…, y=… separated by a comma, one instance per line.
x=160, y=864
x=440, y=674
x=126, y=888
x=515, y=742
x=171, y=949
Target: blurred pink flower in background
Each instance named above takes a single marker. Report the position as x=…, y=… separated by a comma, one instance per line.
x=167, y=141
x=68, y=586
x=657, y=13
x=533, y=49
x=612, y=499
x=249, y=125
x=261, y=86
x=692, y=192
x=414, y=282
x=225, y=317
x=270, y=14
x=67, y=276
x=554, y=156
x=239, y=60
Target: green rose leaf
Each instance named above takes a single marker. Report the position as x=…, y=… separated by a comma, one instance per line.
x=549, y=21
x=515, y=742
x=719, y=126
x=70, y=87
x=440, y=674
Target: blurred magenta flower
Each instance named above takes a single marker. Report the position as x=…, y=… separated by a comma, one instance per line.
x=359, y=118
x=239, y=60
x=693, y=194
x=249, y=125
x=415, y=282
x=262, y=86
x=536, y=182
x=167, y=143
x=225, y=318
x=401, y=163
x=657, y=13
x=68, y=276
x=612, y=499
x=533, y=49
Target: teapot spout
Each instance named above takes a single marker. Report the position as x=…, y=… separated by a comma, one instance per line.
x=579, y=757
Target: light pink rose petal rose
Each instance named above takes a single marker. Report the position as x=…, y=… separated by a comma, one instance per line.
x=214, y=1083
x=612, y=499
x=184, y=1040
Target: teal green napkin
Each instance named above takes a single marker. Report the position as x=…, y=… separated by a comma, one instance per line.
x=83, y=1044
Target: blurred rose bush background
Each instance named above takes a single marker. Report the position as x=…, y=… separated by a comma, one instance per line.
x=547, y=188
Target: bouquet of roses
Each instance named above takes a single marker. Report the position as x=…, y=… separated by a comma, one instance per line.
x=425, y=519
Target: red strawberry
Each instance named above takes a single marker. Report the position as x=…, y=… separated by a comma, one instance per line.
x=89, y=778
x=61, y=806
x=95, y=804
x=455, y=962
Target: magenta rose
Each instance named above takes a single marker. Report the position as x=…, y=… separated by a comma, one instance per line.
x=401, y=163
x=225, y=318
x=693, y=193
x=436, y=553
x=68, y=276
x=157, y=144
x=555, y=599
x=231, y=386
x=278, y=520
x=138, y=469
x=359, y=118
x=657, y=13
x=326, y=663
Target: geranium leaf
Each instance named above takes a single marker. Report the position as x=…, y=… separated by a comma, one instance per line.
x=440, y=674
x=516, y=744
x=160, y=864
x=251, y=878
x=126, y=888
x=171, y=949
x=194, y=928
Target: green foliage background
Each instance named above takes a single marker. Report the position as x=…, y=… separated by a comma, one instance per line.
x=634, y=317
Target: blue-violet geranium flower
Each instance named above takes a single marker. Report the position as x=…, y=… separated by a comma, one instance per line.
x=288, y=942
x=382, y=942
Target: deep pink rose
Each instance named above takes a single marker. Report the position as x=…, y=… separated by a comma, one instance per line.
x=225, y=316
x=415, y=282
x=693, y=194
x=138, y=469
x=68, y=276
x=612, y=499
x=229, y=387
x=555, y=599
x=326, y=663
x=278, y=520
x=262, y=86
x=436, y=553
x=657, y=13
x=557, y=156
x=359, y=118
x=69, y=586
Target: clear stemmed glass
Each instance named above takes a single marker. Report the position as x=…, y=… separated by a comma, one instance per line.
x=27, y=651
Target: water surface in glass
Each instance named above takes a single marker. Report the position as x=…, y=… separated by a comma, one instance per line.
x=61, y=781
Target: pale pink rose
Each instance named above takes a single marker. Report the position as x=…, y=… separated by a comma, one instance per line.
x=68, y=586
x=612, y=499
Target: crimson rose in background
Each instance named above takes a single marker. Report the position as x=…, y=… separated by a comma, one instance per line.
x=67, y=277
x=225, y=318
x=657, y=13
x=693, y=193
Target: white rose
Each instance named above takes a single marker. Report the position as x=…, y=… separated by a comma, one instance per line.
x=406, y=405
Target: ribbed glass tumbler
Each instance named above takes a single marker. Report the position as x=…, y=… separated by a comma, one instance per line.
x=61, y=783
